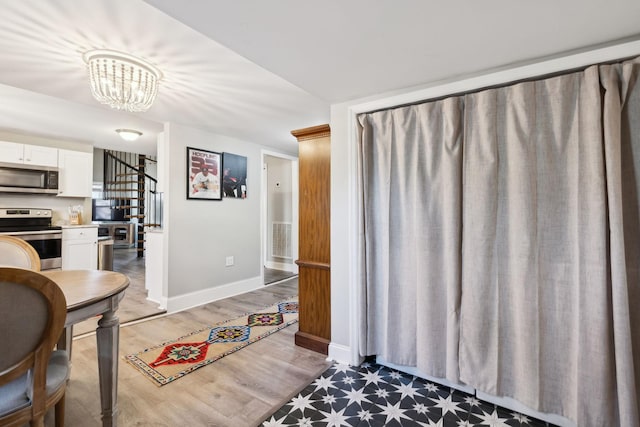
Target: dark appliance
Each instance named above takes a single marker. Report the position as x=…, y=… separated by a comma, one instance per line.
x=106, y=210
x=15, y=178
x=34, y=226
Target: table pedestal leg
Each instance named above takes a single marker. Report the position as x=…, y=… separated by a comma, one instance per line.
x=107, y=335
x=66, y=339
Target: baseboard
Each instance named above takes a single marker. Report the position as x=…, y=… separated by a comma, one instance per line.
x=342, y=354
x=205, y=296
x=291, y=268
x=312, y=342
x=162, y=302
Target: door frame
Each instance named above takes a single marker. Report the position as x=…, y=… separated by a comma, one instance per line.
x=264, y=192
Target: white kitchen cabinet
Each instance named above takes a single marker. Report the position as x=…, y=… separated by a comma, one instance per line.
x=80, y=248
x=11, y=152
x=76, y=173
x=36, y=155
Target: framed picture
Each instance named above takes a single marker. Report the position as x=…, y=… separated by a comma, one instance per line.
x=203, y=174
x=234, y=176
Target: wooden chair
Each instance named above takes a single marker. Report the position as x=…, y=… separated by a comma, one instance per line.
x=33, y=377
x=15, y=252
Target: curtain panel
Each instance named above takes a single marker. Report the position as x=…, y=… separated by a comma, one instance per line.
x=413, y=224
x=501, y=241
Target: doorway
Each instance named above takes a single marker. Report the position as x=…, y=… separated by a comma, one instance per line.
x=279, y=216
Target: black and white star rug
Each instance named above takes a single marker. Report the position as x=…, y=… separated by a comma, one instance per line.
x=374, y=395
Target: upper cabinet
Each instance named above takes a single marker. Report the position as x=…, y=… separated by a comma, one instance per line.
x=13, y=152
x=75, y=167
x=76, y=173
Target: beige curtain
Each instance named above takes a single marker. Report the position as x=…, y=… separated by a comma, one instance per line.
x=413, y=168
x=621, y=85
x=535, y=293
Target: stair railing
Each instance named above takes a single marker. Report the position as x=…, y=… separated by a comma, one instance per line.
x=126, y=181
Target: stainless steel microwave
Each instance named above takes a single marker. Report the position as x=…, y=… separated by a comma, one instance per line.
x=17, y=178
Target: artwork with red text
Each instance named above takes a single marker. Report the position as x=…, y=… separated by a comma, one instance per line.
x=204, y=169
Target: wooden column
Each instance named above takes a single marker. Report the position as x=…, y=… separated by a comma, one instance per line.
x=314, y=278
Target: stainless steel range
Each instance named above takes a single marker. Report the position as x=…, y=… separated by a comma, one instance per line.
x=34, y=226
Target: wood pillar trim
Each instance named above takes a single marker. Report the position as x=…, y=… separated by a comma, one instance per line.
x=314, y=276
x=313, y=264
x=313, y=132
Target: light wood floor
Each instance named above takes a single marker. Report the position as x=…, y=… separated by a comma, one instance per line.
x=135, y=304
x=236, y=391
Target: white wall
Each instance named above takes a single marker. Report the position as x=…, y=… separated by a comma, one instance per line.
x=59, y=205
x=200, y=234
x=345, y=273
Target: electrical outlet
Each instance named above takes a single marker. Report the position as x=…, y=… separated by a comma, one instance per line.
x=229, y=261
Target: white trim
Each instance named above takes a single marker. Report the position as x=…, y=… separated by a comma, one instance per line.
x=342, y=354
x=162, y=302
x=264, y=196
x=295, y=205
x=355, y=273
x=205, y=296
x=277, y=154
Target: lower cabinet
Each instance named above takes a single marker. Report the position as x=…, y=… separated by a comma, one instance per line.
x=80, y=248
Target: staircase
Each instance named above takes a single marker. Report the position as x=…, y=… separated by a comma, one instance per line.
x=127, y=182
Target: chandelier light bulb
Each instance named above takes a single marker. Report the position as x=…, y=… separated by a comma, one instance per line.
x=122, y=81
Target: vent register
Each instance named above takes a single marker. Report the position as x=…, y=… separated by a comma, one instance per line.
x=281, y=240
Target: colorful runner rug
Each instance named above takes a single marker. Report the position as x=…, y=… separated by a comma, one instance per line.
x=174, y=359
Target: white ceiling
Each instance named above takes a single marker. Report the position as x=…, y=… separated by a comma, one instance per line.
x=257, y=69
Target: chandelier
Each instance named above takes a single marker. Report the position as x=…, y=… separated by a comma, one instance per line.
x=122, y=81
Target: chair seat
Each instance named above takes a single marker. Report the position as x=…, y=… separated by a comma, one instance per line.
x=14, y=395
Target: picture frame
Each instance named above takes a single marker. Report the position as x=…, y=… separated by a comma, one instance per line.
x=204, y=174
x=234, y=176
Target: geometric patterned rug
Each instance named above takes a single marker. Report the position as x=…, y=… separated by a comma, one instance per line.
x=374, y=395
x=174, y=359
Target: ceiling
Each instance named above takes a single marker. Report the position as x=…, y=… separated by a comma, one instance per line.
x=255, y=70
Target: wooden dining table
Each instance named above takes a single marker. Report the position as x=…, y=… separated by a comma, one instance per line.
x=91, y=293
